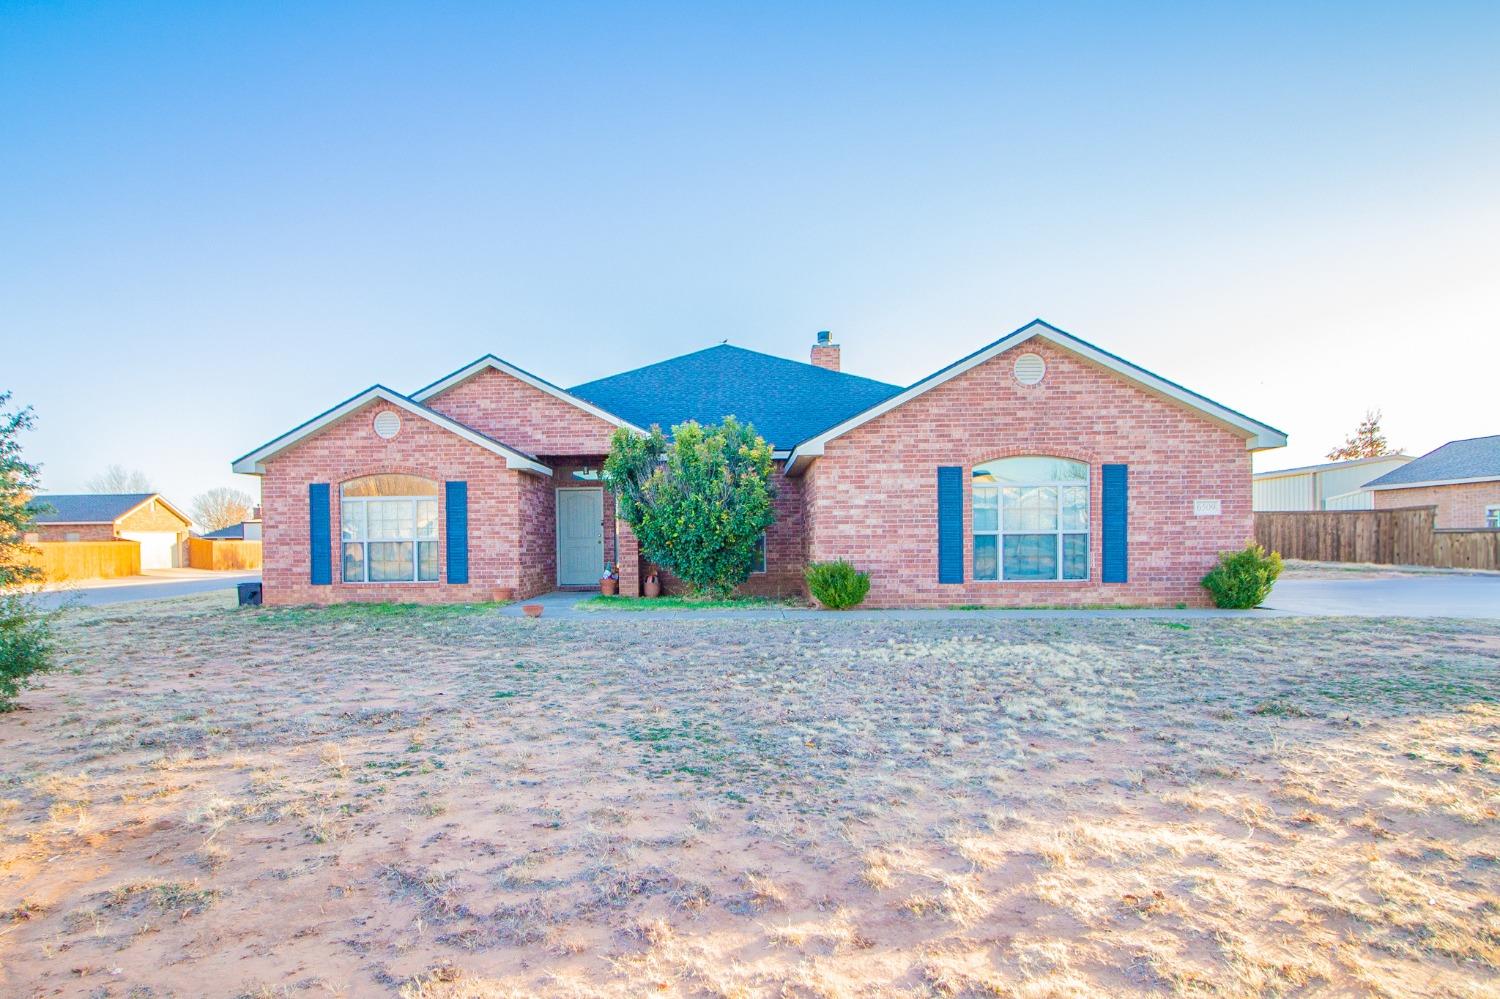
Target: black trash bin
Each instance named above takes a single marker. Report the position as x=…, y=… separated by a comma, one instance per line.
x=249, y=594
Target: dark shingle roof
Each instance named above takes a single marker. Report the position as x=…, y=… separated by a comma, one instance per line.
x=87, y=508
x=1475, y=458
x=235, y=532
x=787, y=401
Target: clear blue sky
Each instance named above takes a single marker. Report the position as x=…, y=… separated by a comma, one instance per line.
x=216, y=220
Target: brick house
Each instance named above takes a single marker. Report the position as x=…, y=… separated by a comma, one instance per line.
x=1461, y=479
x=146, y=518
x=1037, y=470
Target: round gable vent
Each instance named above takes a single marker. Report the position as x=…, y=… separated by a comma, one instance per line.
x=387, y=424
x=1030, y=368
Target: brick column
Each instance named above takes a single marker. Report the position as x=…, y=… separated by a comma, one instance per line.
x=629, y=559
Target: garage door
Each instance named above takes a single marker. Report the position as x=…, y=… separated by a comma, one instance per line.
x=158, y=548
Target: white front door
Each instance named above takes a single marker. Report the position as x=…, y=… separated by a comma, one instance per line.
x=580, y=536
x=158, y=548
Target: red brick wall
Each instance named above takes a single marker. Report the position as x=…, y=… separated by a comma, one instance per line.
x=872, y=497
x=500, y=500
x=85, y=532
x=1459, y=506
x=537, y=528
x=516, y=414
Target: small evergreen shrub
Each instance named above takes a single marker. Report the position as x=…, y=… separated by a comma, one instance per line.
x=1243, y=579
x=837, y=585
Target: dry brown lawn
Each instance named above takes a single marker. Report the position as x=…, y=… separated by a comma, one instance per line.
x=452, y=803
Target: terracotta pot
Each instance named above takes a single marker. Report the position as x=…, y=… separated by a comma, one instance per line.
x=532, y=610
x=609, y=587
x=652, y=586
x=503, y=594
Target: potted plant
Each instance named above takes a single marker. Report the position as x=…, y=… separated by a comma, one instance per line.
x=652, y=586
x=609, y=583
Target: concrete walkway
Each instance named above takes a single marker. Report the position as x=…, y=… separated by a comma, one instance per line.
x=1447, y=595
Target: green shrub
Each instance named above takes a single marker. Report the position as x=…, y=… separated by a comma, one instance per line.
x=1243, y=579
x=25, y=631
x=837, y=585
x=26, y=646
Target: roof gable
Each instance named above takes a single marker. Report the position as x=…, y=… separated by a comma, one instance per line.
x=490, y=361
x=1476, y=459
x=786, y=401
x=254, y=462
x=1258, y=436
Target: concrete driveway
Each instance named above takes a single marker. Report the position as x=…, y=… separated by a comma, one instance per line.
x=1381, y=595
x=153, y=584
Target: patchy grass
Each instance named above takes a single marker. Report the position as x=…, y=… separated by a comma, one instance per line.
x=672, y=602
x=370, y=613
x=443, y=802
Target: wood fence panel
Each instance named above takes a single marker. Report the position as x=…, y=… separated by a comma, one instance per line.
x=220, y=554
x=61, y=561
x=1407, y=536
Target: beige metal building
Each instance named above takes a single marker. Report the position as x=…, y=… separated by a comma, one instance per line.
x=1337, y=485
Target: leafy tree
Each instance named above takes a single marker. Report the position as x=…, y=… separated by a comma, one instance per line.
x=699, y=502
x=25, y=631
x=119, y=479
x=1367, y=441
x=221, y=507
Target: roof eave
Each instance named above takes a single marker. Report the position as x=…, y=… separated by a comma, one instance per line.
x=490, y=361
x=1258, y=436
x=254, y=462
x=1425, y=483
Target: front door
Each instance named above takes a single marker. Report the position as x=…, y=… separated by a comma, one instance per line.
x=580, y=536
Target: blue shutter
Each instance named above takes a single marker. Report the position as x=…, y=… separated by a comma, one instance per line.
x=319, y=534
x=456, y=512
x=950, y=490
x=1115, y=507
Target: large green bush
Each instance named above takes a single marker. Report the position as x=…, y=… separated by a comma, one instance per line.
x=25, y=631
x=1243, y=579
x=699, y=502
x=837, y=585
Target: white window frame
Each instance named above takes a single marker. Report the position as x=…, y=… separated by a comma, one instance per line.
x=367, y=541
x=1492, y=515
x=999, y=533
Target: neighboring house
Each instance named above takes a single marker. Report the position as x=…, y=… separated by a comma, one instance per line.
x=1461, y=479
x=245, y=530
x=1337, y=485
x=1037, y=470
x=146, y=518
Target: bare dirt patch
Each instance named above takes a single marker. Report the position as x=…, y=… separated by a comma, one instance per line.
x=446, y=803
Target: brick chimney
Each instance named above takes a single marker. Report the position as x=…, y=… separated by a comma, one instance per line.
x=825, y=353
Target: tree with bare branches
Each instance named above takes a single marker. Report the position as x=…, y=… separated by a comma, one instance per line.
x=119, y=479
x=221, y=507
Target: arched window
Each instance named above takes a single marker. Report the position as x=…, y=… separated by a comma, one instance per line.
x=390, y=529
x=1031, y=519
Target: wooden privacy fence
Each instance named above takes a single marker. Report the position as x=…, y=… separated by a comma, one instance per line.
x=215, y=553
x=64, y=560
x=1388, y=537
